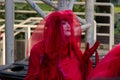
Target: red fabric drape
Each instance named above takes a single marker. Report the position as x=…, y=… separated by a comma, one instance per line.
x=55, y=56
x=109, y=66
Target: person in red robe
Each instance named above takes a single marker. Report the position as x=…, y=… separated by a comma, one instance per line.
x=57, y=56
x=109, y=67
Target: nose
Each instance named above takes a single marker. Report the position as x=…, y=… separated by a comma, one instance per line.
x=68, y=25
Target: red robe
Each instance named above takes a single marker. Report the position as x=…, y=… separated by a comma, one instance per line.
x=109, y=66
x=69, y=66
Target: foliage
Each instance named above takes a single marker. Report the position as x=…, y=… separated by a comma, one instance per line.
x=79, y=8
x=117, y=20
x=45, y=7
x=117, y=26
x=22, y=16
x=117, y=9
x=20, y=36
x=2, y=8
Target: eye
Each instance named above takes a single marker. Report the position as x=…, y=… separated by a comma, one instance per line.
x=63, y=22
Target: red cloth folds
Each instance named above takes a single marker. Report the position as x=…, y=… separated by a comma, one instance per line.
x=109, y=67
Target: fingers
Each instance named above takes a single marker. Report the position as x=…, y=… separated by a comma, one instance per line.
x=87, y=46
x=95, y=46
x=89, y=51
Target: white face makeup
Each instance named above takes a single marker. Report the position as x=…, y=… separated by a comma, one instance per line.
x=66, y=28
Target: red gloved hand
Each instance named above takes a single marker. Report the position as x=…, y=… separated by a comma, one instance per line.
x=86, y=62
x=90, y=51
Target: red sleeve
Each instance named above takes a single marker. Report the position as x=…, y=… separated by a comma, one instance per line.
x=34, y=63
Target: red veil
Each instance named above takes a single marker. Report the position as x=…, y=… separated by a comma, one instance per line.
x=51, y=34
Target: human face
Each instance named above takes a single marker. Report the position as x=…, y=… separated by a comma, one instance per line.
x=66, y=28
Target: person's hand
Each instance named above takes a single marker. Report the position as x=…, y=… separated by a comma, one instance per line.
x=89, y=51
x=86, y=62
